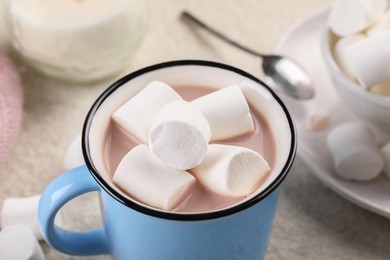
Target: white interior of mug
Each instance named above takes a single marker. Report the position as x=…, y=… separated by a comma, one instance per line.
x=257, y=95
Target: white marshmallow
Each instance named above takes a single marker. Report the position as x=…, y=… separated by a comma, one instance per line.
x=353, y=16
x=180, y=135
x=369, y=58
x=74, y=154
x=340, y=48
x=146, y=179
x=21, y=211
x=17, y=242
x=231, y=170
x=227, y=112
x=356, y=155
x=386, y=155
x=137, y=114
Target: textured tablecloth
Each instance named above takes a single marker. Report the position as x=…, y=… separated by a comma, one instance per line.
x=312, y=222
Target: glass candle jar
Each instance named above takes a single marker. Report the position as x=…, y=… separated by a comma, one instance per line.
x=76, y=40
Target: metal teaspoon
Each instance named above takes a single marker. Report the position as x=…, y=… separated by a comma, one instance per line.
x=283, y=72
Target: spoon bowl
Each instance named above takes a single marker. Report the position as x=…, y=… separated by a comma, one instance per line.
x=285, y=72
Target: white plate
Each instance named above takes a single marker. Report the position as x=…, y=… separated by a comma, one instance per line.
x=302, y=42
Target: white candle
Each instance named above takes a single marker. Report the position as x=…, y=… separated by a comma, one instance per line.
x=76, y=40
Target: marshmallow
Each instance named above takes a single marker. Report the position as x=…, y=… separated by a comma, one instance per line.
x=386, y=155
x=146, y=179
x=23, y=211
x=356, y=155
x=180, y=135
x=227, y=112
x=231, y=170
x=340, y=48
x=353, y=16
x=17, y=242
x=74, y=155
x=137, y=114
x=369, y=58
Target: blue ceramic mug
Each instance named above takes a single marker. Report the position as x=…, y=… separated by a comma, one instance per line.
x=133, y=230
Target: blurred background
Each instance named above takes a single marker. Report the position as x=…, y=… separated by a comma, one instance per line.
x=312, y=222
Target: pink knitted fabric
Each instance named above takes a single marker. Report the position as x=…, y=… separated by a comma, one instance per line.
x=11, y=97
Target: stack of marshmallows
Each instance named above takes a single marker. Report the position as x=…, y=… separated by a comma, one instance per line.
x=19, y=229
x=176, y=153
x=362, y=51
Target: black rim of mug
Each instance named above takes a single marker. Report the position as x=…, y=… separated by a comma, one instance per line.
x=184, y=216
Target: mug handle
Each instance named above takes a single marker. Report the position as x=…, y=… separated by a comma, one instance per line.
x=61, y=190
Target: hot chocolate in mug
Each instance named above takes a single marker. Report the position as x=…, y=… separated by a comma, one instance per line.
x=134, y=230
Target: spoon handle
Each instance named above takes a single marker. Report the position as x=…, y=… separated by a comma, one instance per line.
x=190, y=17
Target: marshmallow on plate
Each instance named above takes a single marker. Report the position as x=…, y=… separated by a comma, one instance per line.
x=227, y=112
x=22, y=211
x=74, y=154
x=148, y=180
x=17, y=242
x=137, y=114
x=340, y=48
x=231, y=170
x=368, y=59
x=353, y=16
x=356, y=155
x=386, y=156
x=180, y=135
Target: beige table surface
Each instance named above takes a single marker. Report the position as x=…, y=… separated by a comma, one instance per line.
x=312, y=222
